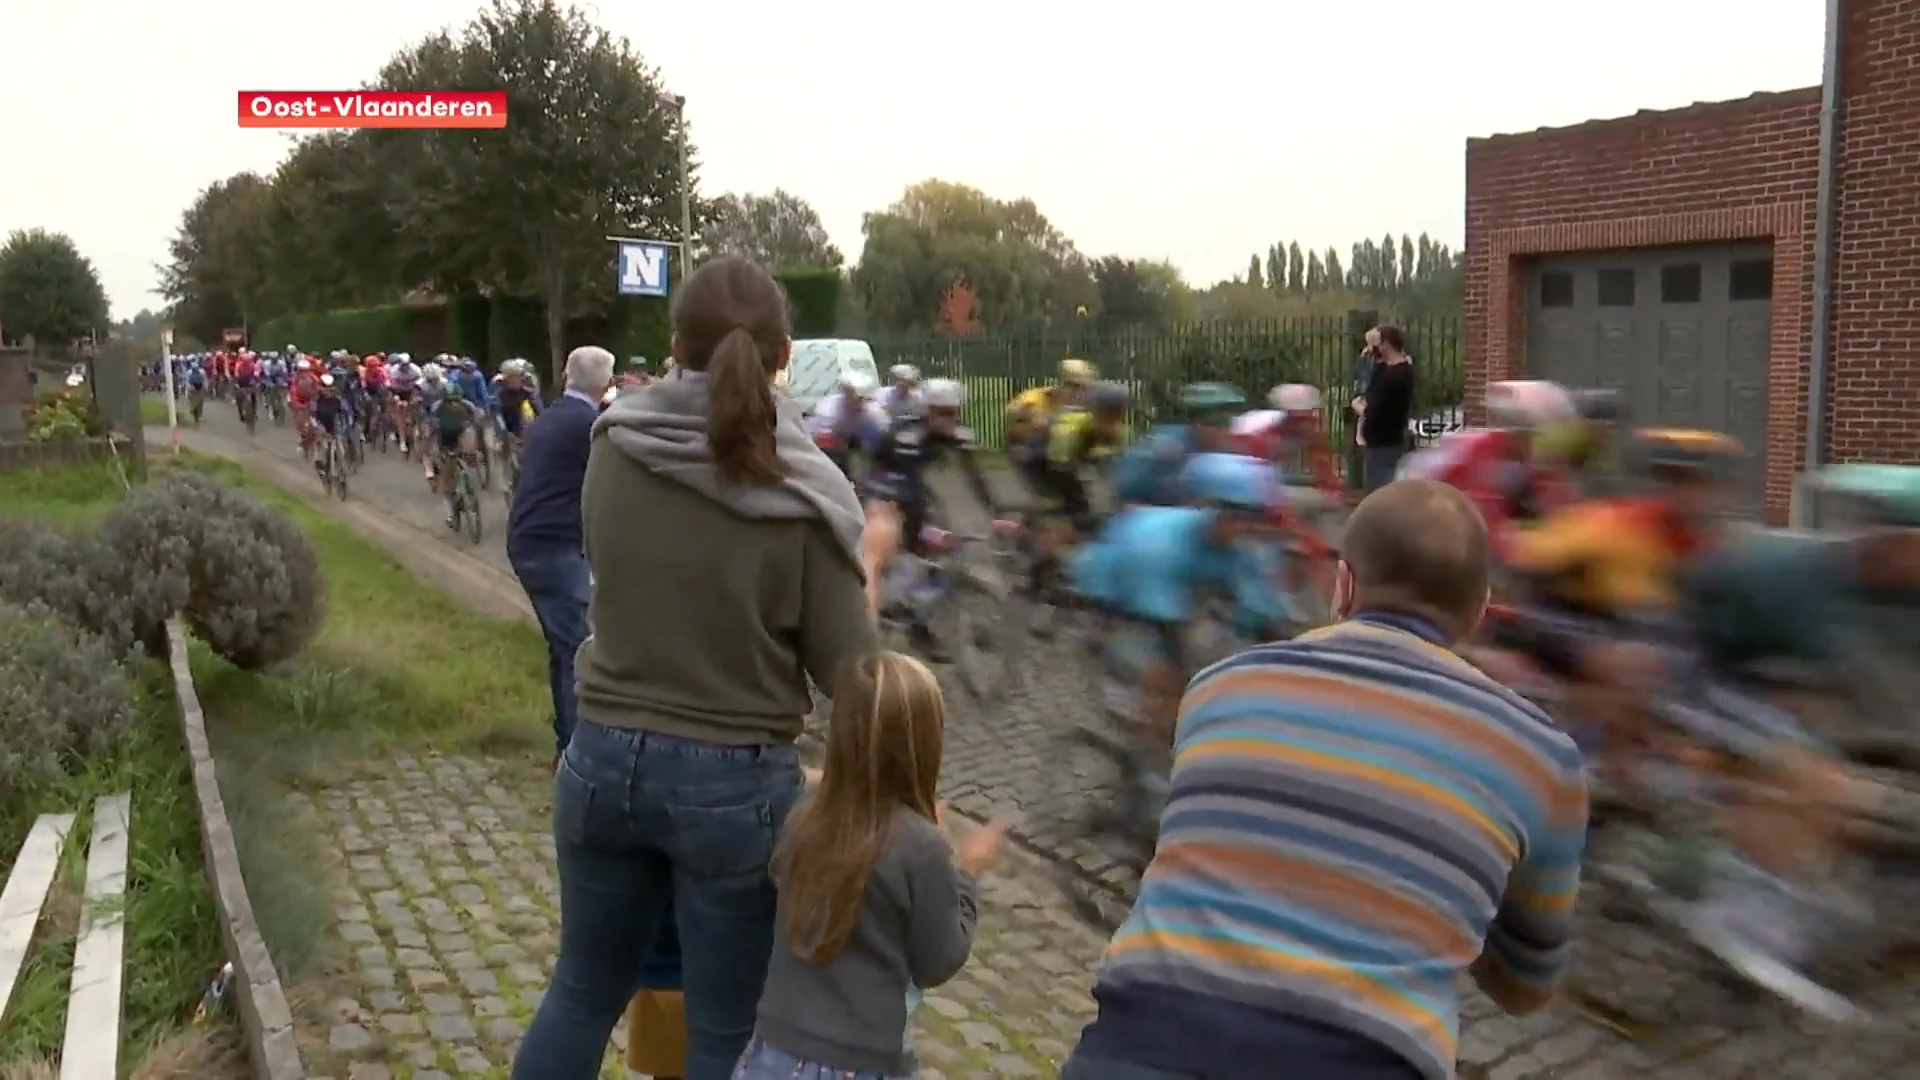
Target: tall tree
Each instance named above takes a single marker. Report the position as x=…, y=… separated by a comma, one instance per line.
x=1253, y=273
x=1020, y=268
x=781, y=230
x=1296, y=269
x=590, y=150
x=48, y=290
x=1336, y=278
x=217, y=270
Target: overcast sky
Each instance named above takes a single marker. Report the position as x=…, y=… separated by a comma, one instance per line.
x=1198, y=131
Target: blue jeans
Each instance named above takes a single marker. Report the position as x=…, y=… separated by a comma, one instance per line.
x=559, y=586
x=639, y=818
x=762, y=1061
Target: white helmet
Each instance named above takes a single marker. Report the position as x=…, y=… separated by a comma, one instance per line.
x=432, y=371
x=1526, y=404
x=326, y=380
x=858, y=382
x=904, y=373
x=400, y=358
x=943, y=394
x=1295, y=397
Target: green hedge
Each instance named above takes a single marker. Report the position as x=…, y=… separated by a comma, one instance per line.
x=815, y=298
x=359, y=330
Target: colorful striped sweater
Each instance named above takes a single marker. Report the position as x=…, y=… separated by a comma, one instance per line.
x=1355, y=818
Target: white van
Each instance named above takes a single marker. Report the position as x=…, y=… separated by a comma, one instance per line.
x=818, y=364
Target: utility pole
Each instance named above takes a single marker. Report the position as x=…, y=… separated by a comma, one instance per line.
x=686, y=194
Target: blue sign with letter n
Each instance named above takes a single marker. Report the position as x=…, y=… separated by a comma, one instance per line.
x=642, y=267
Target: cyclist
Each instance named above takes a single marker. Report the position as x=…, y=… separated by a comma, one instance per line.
x=1152, y=567
x=1073, y=442
x=1495, y=465
x=1150, y=472
x=197, y=381
x=403, y=381
x=275, y=372
x=515, y=404
x=430, y=389
x=1030, y=411
x=1290, y=434
x=911, y=446
x=452, y=418
x=848, y=420
x=246, y=385
x=900, y=398
x=474, y=388
x=328, y=417
x=1585, y=446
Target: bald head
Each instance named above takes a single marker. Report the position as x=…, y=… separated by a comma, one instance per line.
x=1419, y=544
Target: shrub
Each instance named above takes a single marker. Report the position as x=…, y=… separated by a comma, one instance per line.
x=65, y=416
x=252, y=585
x=91, y=584
x=64, y=697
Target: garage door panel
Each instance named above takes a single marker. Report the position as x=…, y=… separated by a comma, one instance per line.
x=1683, y=333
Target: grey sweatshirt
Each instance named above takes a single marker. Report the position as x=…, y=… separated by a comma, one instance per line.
x=916, y=929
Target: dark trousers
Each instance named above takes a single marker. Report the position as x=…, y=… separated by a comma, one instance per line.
x=1378, y=464
x=559, y=586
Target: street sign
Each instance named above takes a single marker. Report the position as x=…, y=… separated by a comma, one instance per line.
x=641, y=266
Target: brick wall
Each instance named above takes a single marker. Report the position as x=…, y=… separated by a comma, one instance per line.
x=1874, y=396
x=1713, y=173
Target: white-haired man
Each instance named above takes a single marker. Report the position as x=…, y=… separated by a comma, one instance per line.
x=544, y=541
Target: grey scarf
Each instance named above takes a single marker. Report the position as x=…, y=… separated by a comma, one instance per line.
x=663, y=426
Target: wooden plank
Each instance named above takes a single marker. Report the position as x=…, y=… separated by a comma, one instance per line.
x=26, y=894
x=92, y=1047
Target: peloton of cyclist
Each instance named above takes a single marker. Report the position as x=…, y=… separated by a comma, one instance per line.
x=1150, y=472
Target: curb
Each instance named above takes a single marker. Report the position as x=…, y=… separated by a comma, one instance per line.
x=264, y=1012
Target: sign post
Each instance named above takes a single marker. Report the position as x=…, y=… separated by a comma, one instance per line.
x=166, y=375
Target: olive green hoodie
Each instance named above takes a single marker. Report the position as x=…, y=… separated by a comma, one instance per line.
x=714, y=603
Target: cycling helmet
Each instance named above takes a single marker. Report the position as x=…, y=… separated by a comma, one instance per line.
x=1075, y=372
x=943, y=394
x=857, y=381
x=1107, y=398
x=1528, y=403
x=326, y=382
x=291, y=350
x=468, y=363
x=1212, y=398
x=402, y=358
x=903, y=373
x=1295, y=397
x=431, y=371
x=1230, y=480
x=302, y=364
x=454, y=393
x=1600, y=405
x=1683, y=450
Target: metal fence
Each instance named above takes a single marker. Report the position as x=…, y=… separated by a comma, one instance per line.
x=1320, y=351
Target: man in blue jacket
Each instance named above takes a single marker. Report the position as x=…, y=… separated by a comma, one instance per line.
x=544, y=540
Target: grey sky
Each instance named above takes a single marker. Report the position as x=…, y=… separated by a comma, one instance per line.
x=1199, y=131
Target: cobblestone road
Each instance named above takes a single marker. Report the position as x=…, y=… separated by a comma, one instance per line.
x=439, y=852
x=446, y=900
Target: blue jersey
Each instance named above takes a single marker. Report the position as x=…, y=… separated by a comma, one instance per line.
x=473, y=384
x=1161, y=562
x=1149, y=472
x=197, y=377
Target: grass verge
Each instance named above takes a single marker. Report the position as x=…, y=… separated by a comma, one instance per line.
x=398, y=664
x=173, y=947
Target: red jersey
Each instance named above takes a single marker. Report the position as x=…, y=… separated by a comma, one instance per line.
x=1494, y=468
x=246, y=369
x=305, y=385
x=374, y=375
x=1296, y=441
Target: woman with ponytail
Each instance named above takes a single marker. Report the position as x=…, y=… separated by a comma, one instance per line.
x=731, y=564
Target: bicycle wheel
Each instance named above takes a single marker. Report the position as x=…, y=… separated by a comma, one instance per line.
x=326, y=469
x=472, y=500
x=486, y=469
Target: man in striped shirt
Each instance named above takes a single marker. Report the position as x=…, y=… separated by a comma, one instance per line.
x=1356, y=817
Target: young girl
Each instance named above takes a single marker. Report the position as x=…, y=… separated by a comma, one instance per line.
x=875, y=902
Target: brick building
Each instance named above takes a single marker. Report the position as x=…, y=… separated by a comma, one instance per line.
x=1672, y=254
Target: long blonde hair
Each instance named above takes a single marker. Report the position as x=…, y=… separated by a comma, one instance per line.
x=883, y=753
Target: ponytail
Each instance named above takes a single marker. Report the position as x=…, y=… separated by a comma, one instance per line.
x=740, y=412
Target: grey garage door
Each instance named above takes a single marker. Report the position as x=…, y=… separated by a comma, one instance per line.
x=1682, y=332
